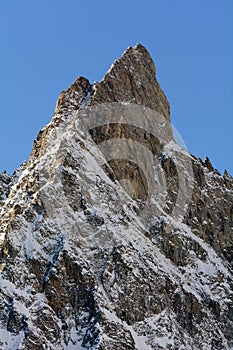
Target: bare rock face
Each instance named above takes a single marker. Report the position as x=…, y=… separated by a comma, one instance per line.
x=132, y=79
x=101, y=253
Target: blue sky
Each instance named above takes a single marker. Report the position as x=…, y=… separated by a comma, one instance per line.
x=46, y=44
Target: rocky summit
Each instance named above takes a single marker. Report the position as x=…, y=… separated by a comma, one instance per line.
x=114, y=237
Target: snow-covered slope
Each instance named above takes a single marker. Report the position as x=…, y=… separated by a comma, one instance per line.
x=103, y=249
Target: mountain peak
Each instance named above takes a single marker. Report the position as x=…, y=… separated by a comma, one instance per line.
x=111, y=236
x=132, y=78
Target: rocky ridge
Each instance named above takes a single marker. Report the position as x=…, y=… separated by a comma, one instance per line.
x=81, y=268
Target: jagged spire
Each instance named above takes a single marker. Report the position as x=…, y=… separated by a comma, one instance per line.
x=132, y=78
x=83, y=264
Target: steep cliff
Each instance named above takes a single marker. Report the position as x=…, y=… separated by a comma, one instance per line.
x=112, y=235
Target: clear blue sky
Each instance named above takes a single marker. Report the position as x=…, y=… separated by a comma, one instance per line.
x=46, y=44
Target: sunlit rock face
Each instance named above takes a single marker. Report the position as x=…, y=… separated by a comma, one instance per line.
x=113, y=236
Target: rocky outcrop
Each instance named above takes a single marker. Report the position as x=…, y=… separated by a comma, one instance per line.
x=5, y=180
x=85, y=261
x=68, y=103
